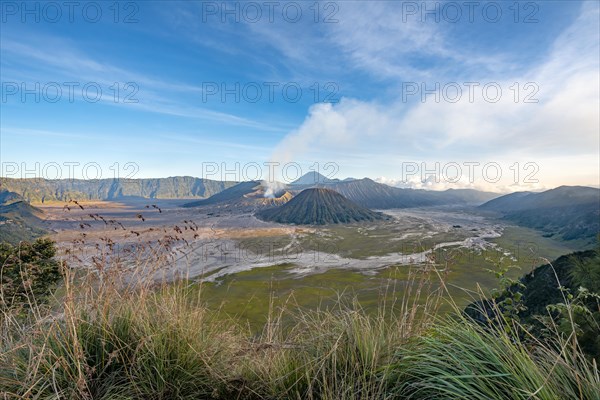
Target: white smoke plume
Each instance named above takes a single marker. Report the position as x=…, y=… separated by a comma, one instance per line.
x=272, y=188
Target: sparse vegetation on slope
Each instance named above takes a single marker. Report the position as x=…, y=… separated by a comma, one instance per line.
x=19, y=220
x=319, y=207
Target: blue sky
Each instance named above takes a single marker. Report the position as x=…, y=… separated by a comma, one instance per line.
x=363, y=56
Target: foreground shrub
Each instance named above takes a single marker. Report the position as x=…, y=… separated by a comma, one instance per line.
x=28, y=273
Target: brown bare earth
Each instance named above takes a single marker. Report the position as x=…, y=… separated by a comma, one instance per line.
x=87, y=231
x=66, y=220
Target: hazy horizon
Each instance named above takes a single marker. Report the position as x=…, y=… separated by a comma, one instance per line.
x=406, y=185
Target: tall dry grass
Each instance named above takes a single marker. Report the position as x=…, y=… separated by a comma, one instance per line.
x=106, y=338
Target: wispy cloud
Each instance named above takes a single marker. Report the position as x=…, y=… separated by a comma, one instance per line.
x=14, y=131
x=57, y=60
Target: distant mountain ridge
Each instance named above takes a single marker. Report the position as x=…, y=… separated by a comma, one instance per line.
x=368, y=193
x=234, y=192
x=313, y=178
x=507, y=202
x=319, y=206
x=570, y=212
x=179, y=187
x=365, y=192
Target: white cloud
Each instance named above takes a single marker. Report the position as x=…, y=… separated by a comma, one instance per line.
x=564, y=124
x=438, y=184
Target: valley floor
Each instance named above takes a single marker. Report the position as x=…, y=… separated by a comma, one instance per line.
x=242, y=263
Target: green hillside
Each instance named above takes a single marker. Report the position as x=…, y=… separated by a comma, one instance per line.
x=539, y=299
x=567, y=212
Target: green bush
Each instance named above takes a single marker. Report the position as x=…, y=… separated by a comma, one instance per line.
x=28, y=273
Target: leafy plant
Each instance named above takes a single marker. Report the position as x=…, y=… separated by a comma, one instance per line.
x=586, y=272
x=28, y=273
